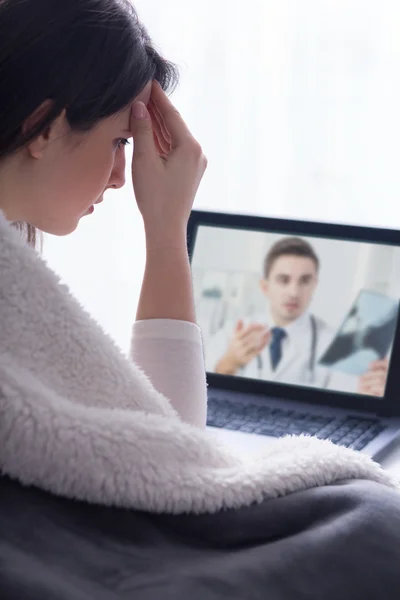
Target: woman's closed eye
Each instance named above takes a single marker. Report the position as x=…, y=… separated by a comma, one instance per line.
x=122, y=142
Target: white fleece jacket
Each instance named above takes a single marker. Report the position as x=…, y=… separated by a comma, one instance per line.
x=81, y=420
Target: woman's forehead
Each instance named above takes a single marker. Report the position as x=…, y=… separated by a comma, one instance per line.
x=145, y=94
x=122, y=117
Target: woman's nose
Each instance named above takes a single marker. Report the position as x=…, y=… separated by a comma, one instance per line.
x=117, y=178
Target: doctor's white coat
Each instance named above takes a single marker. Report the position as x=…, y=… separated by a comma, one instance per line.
x=294, y=366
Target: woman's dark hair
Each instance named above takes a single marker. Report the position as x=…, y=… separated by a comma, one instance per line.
x=91, y=57
x=289, y=246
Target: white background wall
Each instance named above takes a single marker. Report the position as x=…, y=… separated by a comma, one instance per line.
x=297, y=107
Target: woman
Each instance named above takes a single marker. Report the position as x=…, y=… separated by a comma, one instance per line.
x=111, y=487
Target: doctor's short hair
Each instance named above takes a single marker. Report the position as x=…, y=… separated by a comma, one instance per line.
x=289, y=246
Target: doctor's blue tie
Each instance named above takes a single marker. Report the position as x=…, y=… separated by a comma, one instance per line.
x=275, y=345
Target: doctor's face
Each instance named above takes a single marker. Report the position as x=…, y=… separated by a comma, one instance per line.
x=290, y=287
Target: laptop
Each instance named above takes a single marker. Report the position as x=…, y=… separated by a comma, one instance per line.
x=300, y=329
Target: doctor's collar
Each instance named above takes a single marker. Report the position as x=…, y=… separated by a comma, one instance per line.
x=297, y=327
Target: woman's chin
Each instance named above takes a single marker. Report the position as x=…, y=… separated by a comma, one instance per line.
x=60, y=229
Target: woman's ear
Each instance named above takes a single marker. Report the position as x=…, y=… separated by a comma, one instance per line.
x=38, y=145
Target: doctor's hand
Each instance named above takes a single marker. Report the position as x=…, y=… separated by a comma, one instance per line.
x=247, y=342
x=373, y=382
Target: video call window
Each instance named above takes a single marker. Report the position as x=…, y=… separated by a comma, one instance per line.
x=297, y=310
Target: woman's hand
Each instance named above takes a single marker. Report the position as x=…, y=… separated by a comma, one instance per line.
x=373, y=382
x=168, y=165
x=167, y=168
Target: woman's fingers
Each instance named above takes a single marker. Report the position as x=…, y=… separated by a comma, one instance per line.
x=172, y=120
x=157, y=144
x=161, y=148
x=163, y=145
x=167, y=167
x=142, y=132
x=165, y=133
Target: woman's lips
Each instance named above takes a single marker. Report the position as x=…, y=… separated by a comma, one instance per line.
x=89, y=211
x=91, y=208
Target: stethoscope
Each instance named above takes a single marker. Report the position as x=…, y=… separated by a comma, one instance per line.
x=310, y=377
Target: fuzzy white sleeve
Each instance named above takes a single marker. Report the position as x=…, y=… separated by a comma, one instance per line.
x=170, y=352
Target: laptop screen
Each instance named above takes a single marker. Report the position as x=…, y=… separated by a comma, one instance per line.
x=300, y=310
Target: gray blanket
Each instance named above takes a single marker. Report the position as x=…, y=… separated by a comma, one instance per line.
x=328, y=543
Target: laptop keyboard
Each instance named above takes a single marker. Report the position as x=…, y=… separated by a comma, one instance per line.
x=352, y=432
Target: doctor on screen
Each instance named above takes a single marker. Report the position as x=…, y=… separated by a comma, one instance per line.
x=285, y=343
